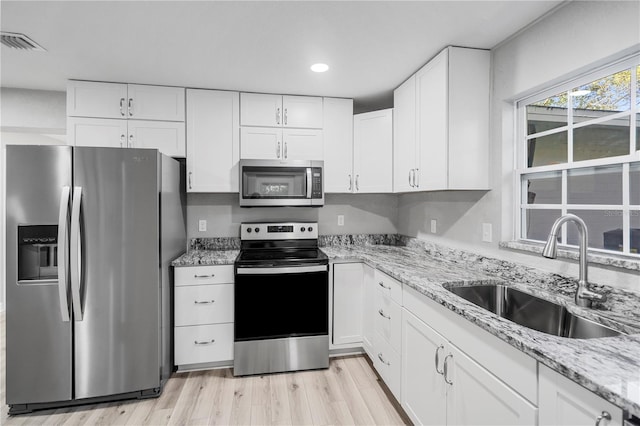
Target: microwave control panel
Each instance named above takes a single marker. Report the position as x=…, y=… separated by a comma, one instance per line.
x=316, y=182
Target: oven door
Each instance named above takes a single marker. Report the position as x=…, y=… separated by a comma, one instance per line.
x=281, y=302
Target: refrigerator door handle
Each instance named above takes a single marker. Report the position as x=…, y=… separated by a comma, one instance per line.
x=63, y=237
x=75, y=253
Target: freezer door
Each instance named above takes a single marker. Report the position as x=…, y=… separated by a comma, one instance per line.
x=38, y=337
x=117, y=335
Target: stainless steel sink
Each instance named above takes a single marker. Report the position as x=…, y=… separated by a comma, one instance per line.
x=532, y=312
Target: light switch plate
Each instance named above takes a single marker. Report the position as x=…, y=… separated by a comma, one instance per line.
x=340, y=220
x=434, y=225
x=486, y=232
x=202, y=225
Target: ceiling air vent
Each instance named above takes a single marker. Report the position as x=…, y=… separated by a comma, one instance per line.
x=19, y=41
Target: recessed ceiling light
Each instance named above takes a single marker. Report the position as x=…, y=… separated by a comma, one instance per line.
x=580, y=92
x=319, y=67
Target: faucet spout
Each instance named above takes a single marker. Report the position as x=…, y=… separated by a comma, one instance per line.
x=584, y=296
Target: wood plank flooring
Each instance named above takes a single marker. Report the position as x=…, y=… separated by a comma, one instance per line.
x=348, y=393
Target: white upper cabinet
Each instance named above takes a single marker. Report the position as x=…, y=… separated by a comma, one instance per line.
x=271, y=143
x=166, y=136
x=338, y=145
x=97, y=132
x=124, y=101
x=213, y=141
x=442, y=124
x=302, y=144
x=405, y=152
x=373, y=151
x=263, y=110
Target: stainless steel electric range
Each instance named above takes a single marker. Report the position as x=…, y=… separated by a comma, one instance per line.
x=281, y=299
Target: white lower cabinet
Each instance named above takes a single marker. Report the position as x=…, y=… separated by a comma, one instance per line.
x=368, y=310
x=563, y=402
x=203, y=316
x=347, y=303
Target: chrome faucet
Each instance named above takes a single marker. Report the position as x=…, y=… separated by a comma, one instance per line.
x=584, y=296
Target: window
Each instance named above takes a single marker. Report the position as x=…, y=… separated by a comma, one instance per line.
x=579, y=153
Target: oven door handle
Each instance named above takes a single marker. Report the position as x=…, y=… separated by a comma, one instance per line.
x=282, y=270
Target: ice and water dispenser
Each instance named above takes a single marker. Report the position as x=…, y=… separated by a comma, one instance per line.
x=37, y=253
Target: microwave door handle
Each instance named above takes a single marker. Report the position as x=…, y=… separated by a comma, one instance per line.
x=309, y=182
x=75, y=253
x=63, y=238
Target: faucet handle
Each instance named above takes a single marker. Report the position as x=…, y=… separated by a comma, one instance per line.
x=584, y=297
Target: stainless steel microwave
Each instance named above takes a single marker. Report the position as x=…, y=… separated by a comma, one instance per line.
x=281, y=183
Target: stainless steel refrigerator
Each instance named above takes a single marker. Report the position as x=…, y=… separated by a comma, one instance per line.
x=90, y=235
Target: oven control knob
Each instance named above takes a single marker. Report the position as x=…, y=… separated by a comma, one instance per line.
x=257, y=230
x=302, y=229
x=309, y=229
x=249, y=230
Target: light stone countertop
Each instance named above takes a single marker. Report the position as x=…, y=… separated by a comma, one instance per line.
x=206, y=257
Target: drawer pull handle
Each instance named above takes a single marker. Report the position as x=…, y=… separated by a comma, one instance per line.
x=381, y=284
x=438, y=359
x=381, y=312
x=203, y=302
x=206, y=342
x=446, y=369
x=204, y=276
x=382, y=359
x=604, y=416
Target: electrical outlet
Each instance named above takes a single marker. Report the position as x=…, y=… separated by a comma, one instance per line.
x=486, y=232
x=340, y=220
x=434, y=225
x=202, y=225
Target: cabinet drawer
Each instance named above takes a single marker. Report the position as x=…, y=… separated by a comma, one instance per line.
x=203, y=304
x=387, y=363
x=198, y=275
x=388, y=321
x=389, y=286
x=203, y=344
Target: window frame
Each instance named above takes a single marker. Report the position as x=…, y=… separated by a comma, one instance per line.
x=521, y=155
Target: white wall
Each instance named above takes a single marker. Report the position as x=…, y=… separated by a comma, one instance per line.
x=576, y=38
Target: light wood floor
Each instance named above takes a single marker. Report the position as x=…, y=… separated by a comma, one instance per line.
x=349, y=392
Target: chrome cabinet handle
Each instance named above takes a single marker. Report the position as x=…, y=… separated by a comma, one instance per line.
x=285, y=150
x=63, y=219
x=122, y=137
x=350, y=183
x=604, y=416
x=203, y=302
x=416, y=178
x=204, y=276
x=130, y=144
x=381, y=284
x=438, y=359
x=446, y=369
x=382, y=359
x=130, y=107
x=381, y=312
x=122, y=107
x=278, y=150
x=285, y=116
x=277, y=115
x=357, y=182
x=206, y=342
x=190, y=173
x=411, y=178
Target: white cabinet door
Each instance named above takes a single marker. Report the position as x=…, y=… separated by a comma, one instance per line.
x=338, y=145
x=213, y=141
x=261, y=143
x=166, y=136
x=155, y=102
x=302, y=144
x=477, y=397
x=92, y=99
x=368, y=310
x=432, y=107
x=262, y=110
x=302, y=112
x=563, y=402
x=405, y=161
x=373, y=151
x=424, y=393
x=97, y=132
x=347, y=303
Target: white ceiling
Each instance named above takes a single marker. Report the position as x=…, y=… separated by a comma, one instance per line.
x=263, y=46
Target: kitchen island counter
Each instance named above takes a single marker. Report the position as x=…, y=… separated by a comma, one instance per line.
x=609, y=367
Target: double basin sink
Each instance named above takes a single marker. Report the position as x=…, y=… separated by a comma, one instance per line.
x=532, y=312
